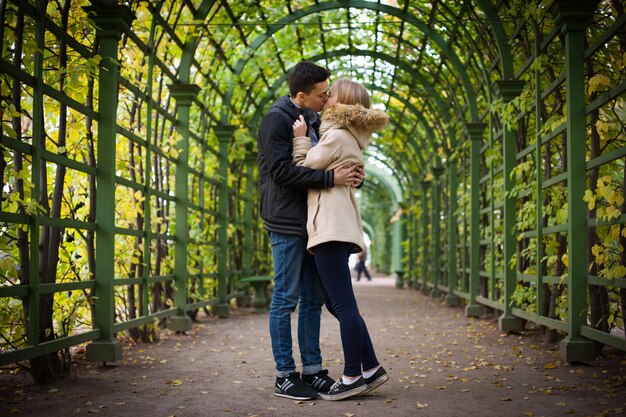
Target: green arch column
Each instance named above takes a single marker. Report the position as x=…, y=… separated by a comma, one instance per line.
x=436, y=230
x=575, y=18
x=424, y=235
x=398, y=236
x=412, y=229
x=224, y=135
x=475, y=130
x=184, y=95
x=110, y=22
x=391, y=183
x=509, y=89
x=451, y=298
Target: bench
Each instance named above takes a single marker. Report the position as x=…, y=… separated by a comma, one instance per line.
x=261, y=300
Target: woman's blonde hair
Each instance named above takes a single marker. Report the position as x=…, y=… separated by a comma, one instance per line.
x=350, y=92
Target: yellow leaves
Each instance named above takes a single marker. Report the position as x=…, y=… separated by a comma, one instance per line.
x=596, y=250
x=598, y=81
x=603, y=128
x=565, y=260
x=602, y=180
x=590, y=199
x=615, y=233
x=612, y=212
x=620, y=271
x=614, y=197
x=174, y=382
x=611, y=198
x=550, y=365
x=7, y=267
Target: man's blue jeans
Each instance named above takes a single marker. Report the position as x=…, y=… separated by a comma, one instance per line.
x=296, y=281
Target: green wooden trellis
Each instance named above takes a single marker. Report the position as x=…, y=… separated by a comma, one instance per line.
x=506, y=142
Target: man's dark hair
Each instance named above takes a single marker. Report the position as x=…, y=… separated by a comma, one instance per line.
x=304, y=77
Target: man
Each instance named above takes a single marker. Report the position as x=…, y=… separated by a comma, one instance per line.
x=283, y=191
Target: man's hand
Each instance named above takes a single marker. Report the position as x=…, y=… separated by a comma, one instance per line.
x=349, y=174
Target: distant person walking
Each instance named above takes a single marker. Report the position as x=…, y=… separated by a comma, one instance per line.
x=360, y=266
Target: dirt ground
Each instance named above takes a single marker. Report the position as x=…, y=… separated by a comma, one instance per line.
x=441, y=364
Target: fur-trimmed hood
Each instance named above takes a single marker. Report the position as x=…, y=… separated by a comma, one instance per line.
x=361, y=122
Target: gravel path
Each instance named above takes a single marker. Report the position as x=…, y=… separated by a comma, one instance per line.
x=441, y=364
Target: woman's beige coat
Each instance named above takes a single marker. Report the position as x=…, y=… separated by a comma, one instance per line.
x=333, y=213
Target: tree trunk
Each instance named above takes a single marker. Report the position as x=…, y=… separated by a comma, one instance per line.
x=3, y=163
x=91, y=216
x=51, y=366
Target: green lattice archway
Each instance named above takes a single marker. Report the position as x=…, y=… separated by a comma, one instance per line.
x=505, y=159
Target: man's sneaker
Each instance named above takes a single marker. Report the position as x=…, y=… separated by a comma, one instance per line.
x=293, y=387
x=376, y=380
x=339, y=390
x=320, y=381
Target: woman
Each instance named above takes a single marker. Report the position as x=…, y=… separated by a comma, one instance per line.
x=334, y=226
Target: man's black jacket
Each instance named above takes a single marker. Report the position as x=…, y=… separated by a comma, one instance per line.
x=282, y=185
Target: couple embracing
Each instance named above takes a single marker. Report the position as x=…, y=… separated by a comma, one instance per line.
x=308, y=170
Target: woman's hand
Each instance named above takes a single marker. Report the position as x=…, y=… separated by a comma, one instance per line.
x=299, y=127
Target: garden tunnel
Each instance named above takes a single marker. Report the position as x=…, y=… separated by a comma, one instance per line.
x=499, y=183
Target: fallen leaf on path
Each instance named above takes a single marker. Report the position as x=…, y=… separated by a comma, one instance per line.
x=506, y=399
x=174, y=382
x=420, y=405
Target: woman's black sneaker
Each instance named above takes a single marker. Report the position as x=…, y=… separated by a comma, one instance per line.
x=339, y=390
x=293, y=387
x=320, y=381
x=376, y=380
